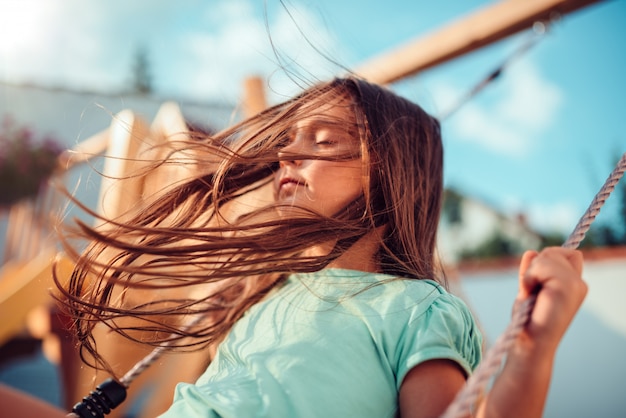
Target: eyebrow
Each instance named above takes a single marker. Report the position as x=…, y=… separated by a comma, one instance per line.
x=317, y=122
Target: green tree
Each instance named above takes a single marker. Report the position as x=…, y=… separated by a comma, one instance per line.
x=142, y=77
x=552, y=239
x=452, y=204
x=498, y=245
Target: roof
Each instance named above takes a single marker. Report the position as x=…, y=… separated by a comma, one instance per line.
x=72, y=116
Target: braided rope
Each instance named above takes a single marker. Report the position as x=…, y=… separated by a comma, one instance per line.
x=154, y=355
x=470, y=394
x=539, y=30
x=143, y=364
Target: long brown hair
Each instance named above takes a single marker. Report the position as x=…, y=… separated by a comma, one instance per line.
x=214, y=246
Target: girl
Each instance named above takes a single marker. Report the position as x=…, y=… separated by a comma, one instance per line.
x=326, y=300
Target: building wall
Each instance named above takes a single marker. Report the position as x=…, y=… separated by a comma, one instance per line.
x=476, y=224
x=72, y=116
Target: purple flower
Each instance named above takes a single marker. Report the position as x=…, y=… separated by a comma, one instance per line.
x=25, y=162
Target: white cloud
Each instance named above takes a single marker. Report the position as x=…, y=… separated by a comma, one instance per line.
x=531, y=101
x=21, y=25
x=76, y=44
x=199, y=49
x=509, y=123
x=478, y=125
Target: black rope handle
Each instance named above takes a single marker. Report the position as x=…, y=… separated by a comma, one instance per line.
x=108, y=395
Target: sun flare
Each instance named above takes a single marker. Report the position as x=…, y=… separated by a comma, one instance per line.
x=22, y=26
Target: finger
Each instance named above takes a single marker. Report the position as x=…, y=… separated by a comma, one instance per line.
x=571, y=263
x=559, y=269
x=567, y=260
x=525, y=263
x=575, y=257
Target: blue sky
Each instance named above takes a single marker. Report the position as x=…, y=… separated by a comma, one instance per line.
x=540, y=140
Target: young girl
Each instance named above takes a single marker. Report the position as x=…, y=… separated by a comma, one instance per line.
x=326, y=298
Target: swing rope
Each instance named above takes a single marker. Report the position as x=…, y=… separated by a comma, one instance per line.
x=468, y=397
x=154, y=355
x=539, y=31
x=111, y=393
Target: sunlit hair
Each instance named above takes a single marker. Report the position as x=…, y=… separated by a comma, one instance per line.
x=214, y=245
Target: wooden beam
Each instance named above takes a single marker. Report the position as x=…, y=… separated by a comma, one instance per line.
x=168, y=128
x=25, y=286
x=84, y=151
x=121, y=185
x=470, y=33
x=254, y=100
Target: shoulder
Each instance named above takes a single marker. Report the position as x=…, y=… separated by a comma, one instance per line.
x=399, y=302
x=418, y=297
x=388, y=291
x=441, y=326
x=410, y=321
x=410, y=306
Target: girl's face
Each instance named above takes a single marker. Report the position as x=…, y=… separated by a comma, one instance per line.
x=324, y=186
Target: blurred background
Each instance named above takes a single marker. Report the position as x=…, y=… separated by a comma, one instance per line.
x=532, y=117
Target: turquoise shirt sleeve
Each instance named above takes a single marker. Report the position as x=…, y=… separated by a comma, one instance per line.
x=444, y=330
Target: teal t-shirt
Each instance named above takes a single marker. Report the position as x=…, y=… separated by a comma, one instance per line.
x=335, y=343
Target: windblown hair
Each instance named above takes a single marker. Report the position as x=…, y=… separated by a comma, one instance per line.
x=210, y=246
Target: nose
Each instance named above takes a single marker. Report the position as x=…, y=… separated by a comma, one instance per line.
x=288, y=155
x=290, y=161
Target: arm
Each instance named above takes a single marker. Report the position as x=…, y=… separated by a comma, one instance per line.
x=429, y=388
x=14, y=403
x=521, y=388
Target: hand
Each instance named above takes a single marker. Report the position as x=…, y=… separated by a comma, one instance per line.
x=555, y=275
x=521, y=389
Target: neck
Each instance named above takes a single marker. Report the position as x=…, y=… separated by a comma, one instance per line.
x=360, y=256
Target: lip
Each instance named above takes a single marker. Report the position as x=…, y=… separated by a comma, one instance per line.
x=288, y=182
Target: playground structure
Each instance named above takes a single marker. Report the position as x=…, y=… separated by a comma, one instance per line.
x=31, y=249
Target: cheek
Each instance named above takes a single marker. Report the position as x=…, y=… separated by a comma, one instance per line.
x=344, y=179
x=353, y=185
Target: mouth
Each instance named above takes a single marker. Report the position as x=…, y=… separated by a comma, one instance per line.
x=289, y=184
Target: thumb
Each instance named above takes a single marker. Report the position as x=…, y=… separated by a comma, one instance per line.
x=525, y=288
